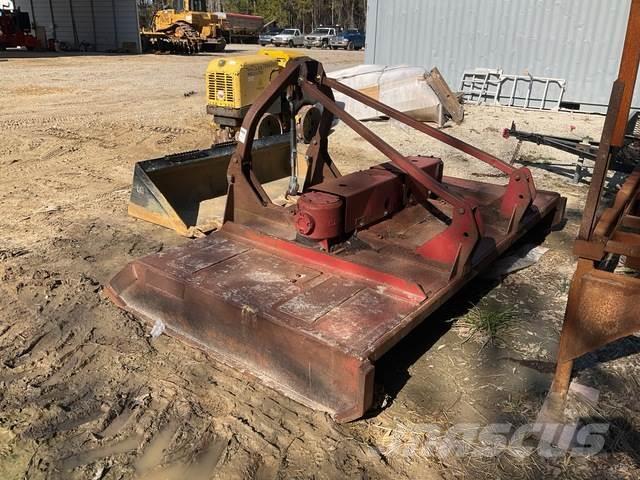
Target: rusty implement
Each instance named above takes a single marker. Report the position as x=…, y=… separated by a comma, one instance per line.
x=603, y=301
x=180, y=191
x=309, y=295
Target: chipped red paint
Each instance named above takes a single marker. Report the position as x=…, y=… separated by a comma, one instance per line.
x=307, y=297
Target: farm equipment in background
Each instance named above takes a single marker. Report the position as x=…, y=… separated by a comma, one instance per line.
x=625, y=159
x=307, y=295
x=15, y=30
x=184, y=31
x=240, y=27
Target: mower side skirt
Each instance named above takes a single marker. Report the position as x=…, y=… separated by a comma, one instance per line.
x=281, y=322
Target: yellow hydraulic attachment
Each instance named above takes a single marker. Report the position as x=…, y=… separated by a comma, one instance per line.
x=234, y=83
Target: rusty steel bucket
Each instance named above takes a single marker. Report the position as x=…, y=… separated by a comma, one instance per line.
x=185, y=191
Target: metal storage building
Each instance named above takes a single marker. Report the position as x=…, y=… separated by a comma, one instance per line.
x=100, y=25
x=579, y=41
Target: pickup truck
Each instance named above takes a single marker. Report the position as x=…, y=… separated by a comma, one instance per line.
x=350, y=39
x=265, y=38
x=290, y=37
x=320, y=37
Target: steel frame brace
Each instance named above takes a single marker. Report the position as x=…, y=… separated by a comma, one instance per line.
x=305, y=79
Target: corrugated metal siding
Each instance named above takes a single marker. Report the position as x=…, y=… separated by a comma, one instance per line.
x=42, y=14
x=62, y=14
x=127, y=20
x=578, y=40
x=106, y=32
x=84, y=21
x=105, y=24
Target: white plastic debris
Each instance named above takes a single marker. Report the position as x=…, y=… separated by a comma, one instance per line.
x=525, y=257
x=158, y=329
x=589, y=393
x=402, y=87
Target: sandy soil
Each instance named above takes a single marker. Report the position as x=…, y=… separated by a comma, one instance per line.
x=86, y=393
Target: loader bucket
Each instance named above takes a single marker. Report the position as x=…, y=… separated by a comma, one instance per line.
x=185, y=191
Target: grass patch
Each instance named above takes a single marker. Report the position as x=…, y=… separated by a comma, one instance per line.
x=485, y=323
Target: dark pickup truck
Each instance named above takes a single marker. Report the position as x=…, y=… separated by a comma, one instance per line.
x=350, y=39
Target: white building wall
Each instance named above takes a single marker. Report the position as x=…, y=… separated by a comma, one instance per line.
x=577, y=40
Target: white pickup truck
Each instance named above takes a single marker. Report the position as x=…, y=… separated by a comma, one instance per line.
x=321, y=37
x=289, y=37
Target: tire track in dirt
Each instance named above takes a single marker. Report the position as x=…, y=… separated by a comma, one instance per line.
x=76, y=341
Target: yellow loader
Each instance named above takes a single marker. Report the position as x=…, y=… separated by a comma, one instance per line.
x=186, y=191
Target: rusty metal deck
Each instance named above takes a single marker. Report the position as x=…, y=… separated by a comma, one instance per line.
x=309, y=323
x=307, y=297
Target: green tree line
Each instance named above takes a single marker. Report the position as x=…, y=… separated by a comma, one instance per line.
x=303, y=14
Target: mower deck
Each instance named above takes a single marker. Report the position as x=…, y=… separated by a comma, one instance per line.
x=308, y=296
x=311, y=324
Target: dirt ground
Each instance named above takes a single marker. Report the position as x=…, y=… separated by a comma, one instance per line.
x=86, y=393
